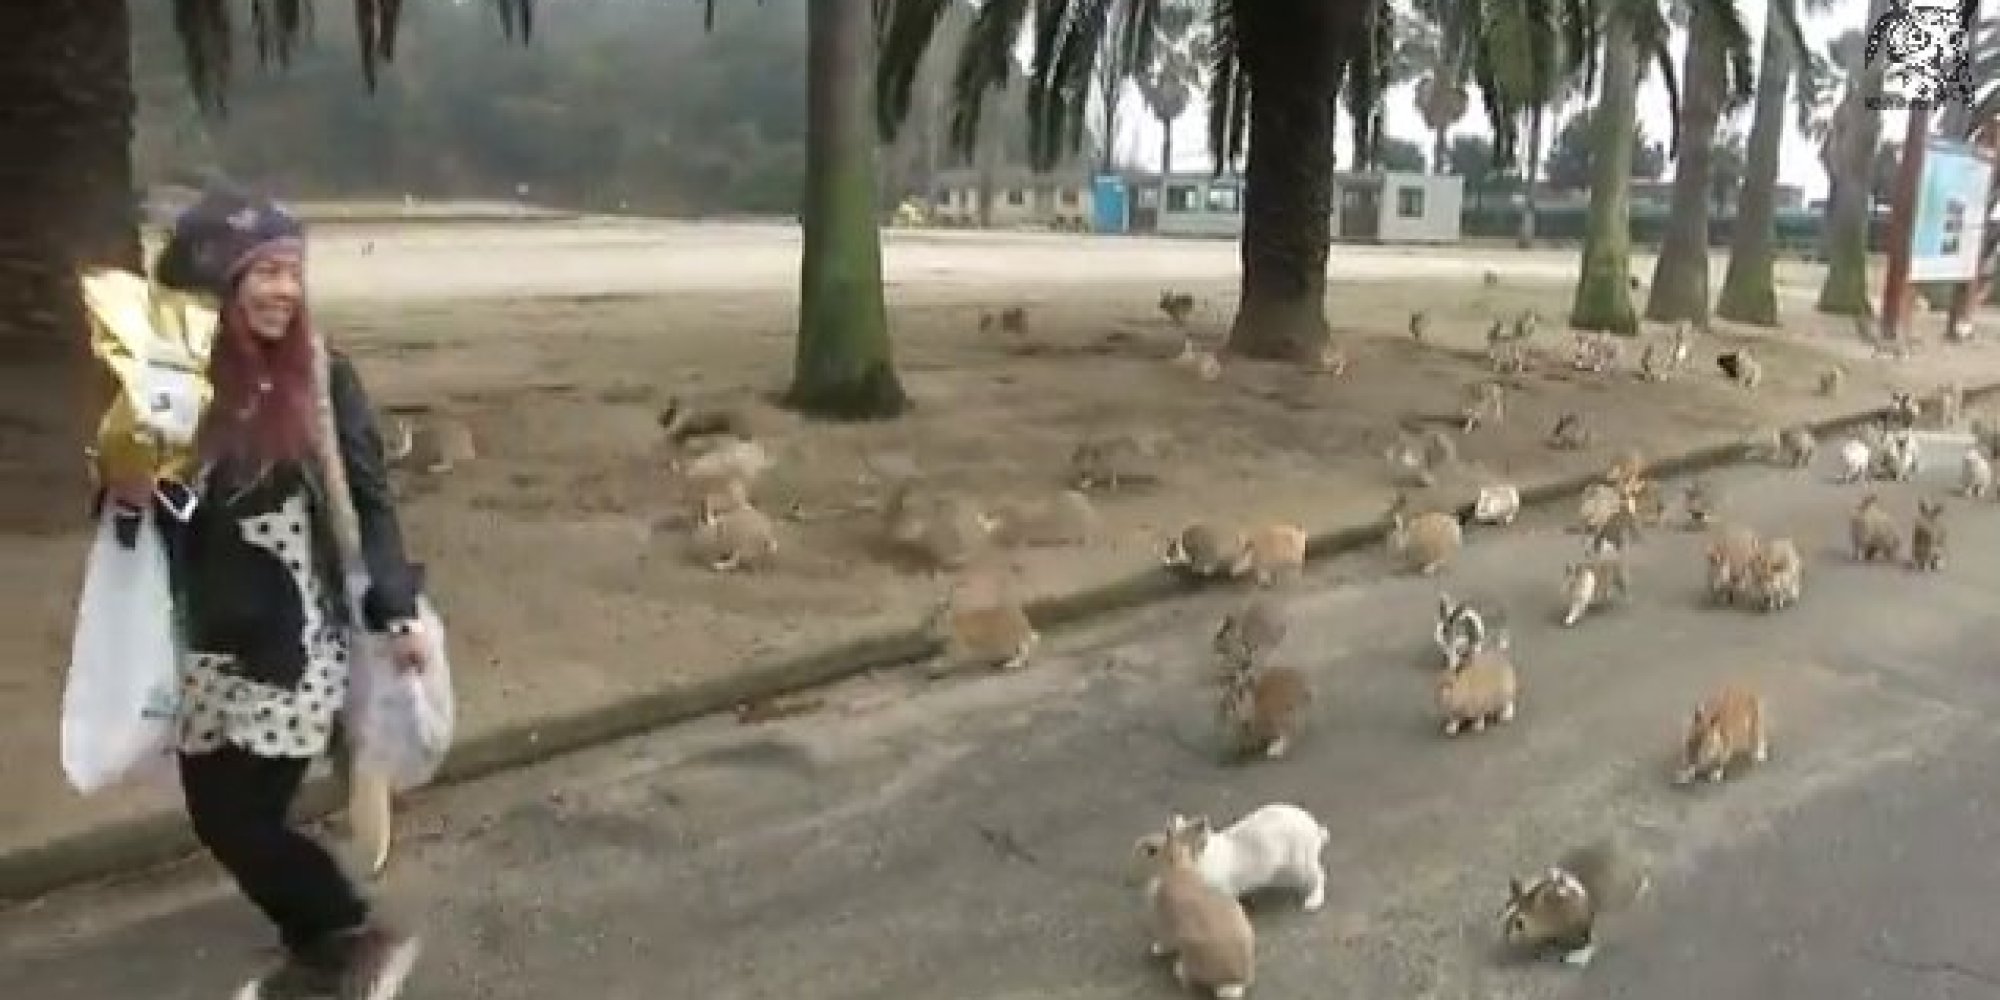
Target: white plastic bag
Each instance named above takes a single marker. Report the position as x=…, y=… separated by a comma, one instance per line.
x=401, y=723
x=122, y=698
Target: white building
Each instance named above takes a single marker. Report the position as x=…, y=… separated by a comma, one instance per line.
x=1386, y=207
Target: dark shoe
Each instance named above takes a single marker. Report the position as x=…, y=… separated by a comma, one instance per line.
x=296, y=978
x=378, y=960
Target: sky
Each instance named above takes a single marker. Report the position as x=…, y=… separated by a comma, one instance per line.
x=1139, y=134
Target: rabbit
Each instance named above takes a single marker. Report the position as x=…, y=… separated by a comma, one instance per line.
x=1483, y=689
x=1276, y=846
x=998, y=636
x=1067, y=518
x=1975, y=474
x=1899, y=459
x=1013, y=319
x=1203, y=363
x=1111, y=461
x=1698, y=501
x=1777, y=574
x=1485, y=404
x=432, y=444
x=1856, y=457
x=1728, y=725
x=1681, y=348
x=1796, y=447
x=1460, y=631
x=1730, y=554
x=1558, y=909
x=1416, y=462
x=1420, y=325
x=1499, y=504
x=1248, y=634
x=1830, y=380
x=736, y=535
x=1947, y=406
x=1426, y=542
x=1741, y=367
x=1332, y=360
x=1927, y=537
x=1986, y=435
x=1596, y=507
x=1275, y=553
x=1261, y=709
x=1904, y=411
x=1620, y=530
x=1203, y=928
x=1177, y=305
x=734, y=458
x=1203, y=550
x=1570, y=433
x=1873, y=532
x=684, y=424
x=1507, y=357
x=1653, y=364
x=1591, y=582
x=1629, y=466
x=946, y=530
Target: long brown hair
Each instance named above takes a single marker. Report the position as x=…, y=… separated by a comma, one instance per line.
x=263, y=411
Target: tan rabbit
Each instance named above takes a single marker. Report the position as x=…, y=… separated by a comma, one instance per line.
x=1559, y=908
x=1203, y=363
x=1927, y=537
x=1067, y=518
x=1975, y=474
x=1796, y=447
x=1201, y=927
x=1873, y=532
x=736, y=536
x=1777, y=575
x=1698, y=501
x=1261, y=709
x=1728, y=725
x=1426, y=542
x=1276, y=553
x=945, y=529
x=1483, y=689
x=1730, y=554
x=1111, y=461
x=1485, y=406
x=1248, y=634
x=996, y=636
x=1591, y=582
x=1204, y=549
x=432, y=443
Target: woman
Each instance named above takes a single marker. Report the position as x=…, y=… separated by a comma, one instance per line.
x=258, y=587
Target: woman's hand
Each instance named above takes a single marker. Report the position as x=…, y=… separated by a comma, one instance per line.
x=409, y=648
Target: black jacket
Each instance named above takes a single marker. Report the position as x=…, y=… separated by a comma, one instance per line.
x=232, y=598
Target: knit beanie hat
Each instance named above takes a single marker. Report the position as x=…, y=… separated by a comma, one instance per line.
x=216, y=237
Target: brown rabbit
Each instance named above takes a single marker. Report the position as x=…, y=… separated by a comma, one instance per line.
x=1112, y=461
x=1068, y=518
x=1796, y=447
x=1873, y=532
x=432, y=443
x=1251, y=632
x=946, y=530
x=1425, y=542
x=736, y=536
x=1927, y=537
x=1730, y=554
x=1559, y=908
x=1275, y=553
x=1204, y=549
x=998, y=636
x=1262, y=707
x=1730, y=724
x=1483, y=689
x=1777, y=575
x=1203, y=928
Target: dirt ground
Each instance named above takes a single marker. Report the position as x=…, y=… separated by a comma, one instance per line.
x=558, y=556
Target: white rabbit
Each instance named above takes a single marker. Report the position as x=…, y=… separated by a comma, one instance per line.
x=1275, y=846
x=1854, y=456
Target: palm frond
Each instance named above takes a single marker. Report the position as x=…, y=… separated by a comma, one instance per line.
x=985, y=63
x=1228, y=88
x=1653, y=34
x=207, y=34
x=907, y=28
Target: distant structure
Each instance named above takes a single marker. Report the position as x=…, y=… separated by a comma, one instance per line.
x=1388, y=207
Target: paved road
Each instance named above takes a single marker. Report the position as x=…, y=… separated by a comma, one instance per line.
x=972, y=842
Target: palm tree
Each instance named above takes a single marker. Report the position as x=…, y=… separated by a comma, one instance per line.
x=1603, y=291
x=1718, y=53
x=1848, y=152
x=1432, y=50
x=1526, y=58
x=1168, y=83
x=1749, y=286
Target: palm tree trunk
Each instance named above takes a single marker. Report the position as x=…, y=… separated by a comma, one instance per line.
x=66, y=199
x=1680, y=277
x=1850, y=202
x=1531, y=177
x=844, y=366
x=1750, y=287
x=1166, y=160
x=1441, y=151
x=1294, y=52
x=1603, y=291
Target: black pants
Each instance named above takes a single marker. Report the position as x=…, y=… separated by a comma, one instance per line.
x=240, y=804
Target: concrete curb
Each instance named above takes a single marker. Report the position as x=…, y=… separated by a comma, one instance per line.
x=134, y=845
